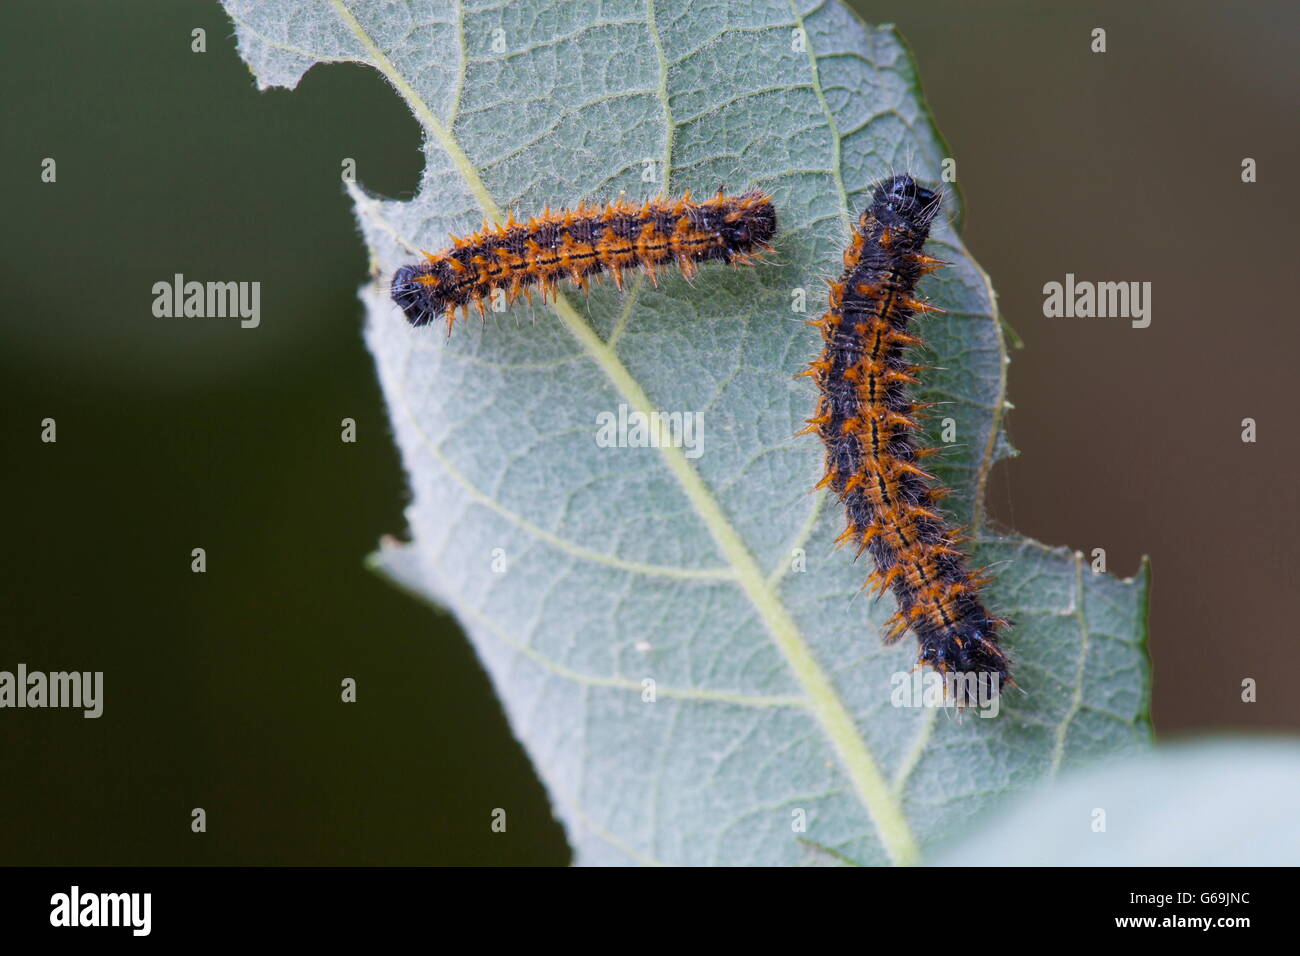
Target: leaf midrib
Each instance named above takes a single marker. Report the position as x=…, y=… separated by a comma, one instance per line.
x=873, y=790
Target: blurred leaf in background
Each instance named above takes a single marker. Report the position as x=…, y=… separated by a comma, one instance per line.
x=1221, y=802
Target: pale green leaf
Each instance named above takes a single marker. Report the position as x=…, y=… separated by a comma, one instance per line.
x=628, y=564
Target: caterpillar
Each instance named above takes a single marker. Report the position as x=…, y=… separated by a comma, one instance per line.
x=580, y=244
x=866, y=419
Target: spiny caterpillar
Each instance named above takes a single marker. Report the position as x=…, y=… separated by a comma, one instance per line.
x=866, y=418
x=582, y=243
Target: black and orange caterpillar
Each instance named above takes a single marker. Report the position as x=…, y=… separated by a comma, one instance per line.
x=866, y=418
x=580, y=244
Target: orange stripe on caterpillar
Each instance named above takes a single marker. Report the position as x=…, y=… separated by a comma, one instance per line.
x=866, y=418
x=579, y=244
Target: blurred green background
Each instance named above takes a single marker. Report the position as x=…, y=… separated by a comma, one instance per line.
x=223, y=688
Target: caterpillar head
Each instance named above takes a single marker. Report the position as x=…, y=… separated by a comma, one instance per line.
x=762, y=222
x=752, y=224
x=901, y=199
x=416, y=291
x=970, y=648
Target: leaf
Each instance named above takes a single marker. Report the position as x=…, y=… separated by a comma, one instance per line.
x=1210, y=803
x=630, y=564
